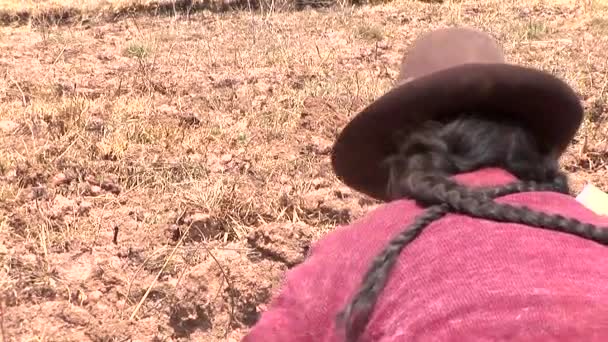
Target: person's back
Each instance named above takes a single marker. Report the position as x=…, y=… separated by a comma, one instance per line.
x=464, y=278
x=480, y=239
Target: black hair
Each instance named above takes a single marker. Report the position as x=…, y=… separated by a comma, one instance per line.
x=421, y=169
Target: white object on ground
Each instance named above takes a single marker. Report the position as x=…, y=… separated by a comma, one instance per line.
x=594, y=199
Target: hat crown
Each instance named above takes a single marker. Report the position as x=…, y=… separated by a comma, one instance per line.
x=445, y=48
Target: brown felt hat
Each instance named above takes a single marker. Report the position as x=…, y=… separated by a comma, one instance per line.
x=448, y=72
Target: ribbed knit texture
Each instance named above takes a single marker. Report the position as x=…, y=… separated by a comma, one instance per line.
x=462, y=279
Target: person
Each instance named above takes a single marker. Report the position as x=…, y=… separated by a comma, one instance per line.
x=478, y=238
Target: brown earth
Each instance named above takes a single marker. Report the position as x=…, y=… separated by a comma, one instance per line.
x=158, y=174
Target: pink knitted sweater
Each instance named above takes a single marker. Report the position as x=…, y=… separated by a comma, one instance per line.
x=462, y=279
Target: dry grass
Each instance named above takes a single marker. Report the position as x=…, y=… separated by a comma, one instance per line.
x=118, y=136
x=81, y=12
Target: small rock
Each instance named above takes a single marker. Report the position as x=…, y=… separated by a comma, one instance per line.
x=95, y=190
x=8, y=126
x=587, y=36
x=94, y=296
x=60, y=179
x=319, y=182
x=120, y=304
x=166, y=109
x=172, y=281
x=76, y=315
x=91, y=180
x=199, y=218
x=226, y=158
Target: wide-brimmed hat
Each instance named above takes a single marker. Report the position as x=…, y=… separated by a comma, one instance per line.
x=448, y=72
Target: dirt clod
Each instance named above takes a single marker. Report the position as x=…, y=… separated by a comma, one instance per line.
x=338, y=204
x=94, y=296
x=94, y=190
x=60, y=179
x=110, y=186
x=76, y=315
x=284, y=242
x=203, y=226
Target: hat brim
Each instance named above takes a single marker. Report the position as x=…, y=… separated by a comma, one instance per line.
x=543, y=103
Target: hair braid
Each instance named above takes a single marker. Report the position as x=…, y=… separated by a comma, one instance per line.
x=420, y=171
x=356, y=314
x=526, y=216
x=443, y=191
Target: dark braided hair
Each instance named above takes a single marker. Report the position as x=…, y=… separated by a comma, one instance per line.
x=421, y=170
